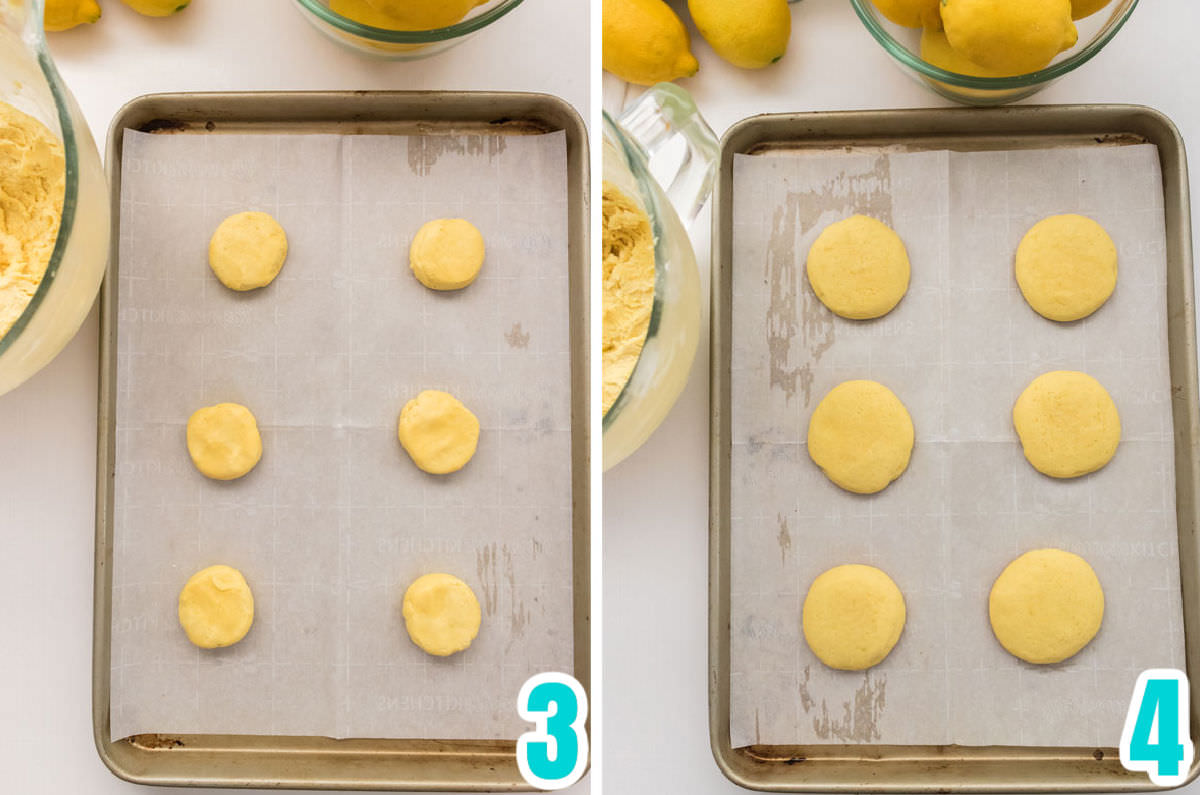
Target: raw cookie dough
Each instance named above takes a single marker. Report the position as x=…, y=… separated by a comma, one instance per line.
x=861, y=436
x=1066, y=267
x=859, y=268
x=216, y=607
x=1046, y=605
x=441, y=614
x=446, y=254
x=32, y=180
x=438, y=432
x=247, y=250
x=1067, y=423
x=223, y=441
x=853, y=616
x=628, y=289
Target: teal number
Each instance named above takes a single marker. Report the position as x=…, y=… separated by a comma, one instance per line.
x=1161, y=697
x=558, y=727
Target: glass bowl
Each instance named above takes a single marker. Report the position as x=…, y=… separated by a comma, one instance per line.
x=903, y=45
x=400, y=45
x=68, y=289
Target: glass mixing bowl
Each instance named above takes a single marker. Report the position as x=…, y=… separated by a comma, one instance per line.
x=663, y=123
x=903, y=45
x=68, y=289
x=400, y=45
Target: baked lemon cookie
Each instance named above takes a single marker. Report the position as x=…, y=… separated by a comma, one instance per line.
x=1067, y=423
x=1046, y=606
x=861, y=436
x=853, y=616
x=858, y=267
x=216, y=607
x=1066, y=267
x=223, y=441
x=438, y=432
x=446, y=254
x=247, y=250
x=441, y=614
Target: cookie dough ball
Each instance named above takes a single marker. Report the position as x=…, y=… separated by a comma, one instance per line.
x=216, y=607
x=1066, y=267
x=1046, y=605
x=853, y=616
x=438, y=432
x=247, y=250
x=223, y=441
x=859, y=268
x=446, y=254
x=861, y=436
x=441, y=614
x=1067, y=423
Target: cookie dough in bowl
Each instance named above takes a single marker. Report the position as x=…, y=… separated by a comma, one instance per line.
x=1046, y=606
x=216, y=607
x=859, y=268
x=438, y=432
x=628, y=251
x=247, y=251
x=223, y=441
x=853, y=616
x=861, y=436
x=1066, y=267
x=446, y=254
x=1067, y=423
x=441, y=614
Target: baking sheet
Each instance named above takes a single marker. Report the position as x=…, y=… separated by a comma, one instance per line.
x=957, y=350
x=335, y=521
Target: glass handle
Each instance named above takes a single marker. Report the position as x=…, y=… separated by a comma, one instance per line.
x=660, y=116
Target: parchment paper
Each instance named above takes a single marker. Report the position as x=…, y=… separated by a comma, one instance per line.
x=958, y=350
x=336, y=521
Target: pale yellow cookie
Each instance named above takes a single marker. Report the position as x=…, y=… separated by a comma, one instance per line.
x=438, y=432
x=446, y=254
x=1067, y=423
x=441, y=614
x=223, y=441
x=861, y=436
x=216, y=607
x=1066, y=267
x=1046, y=605
x=853, y=616
x=859, y=268
x=247, y=250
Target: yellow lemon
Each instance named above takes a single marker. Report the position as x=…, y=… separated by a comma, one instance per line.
x=645, y=42
x=1085, y=8
x=1014, y=36
x=66, y=14
x=157, y=8
x=750, y=34
x=911, y=13
x=936, y=49
x=404, y=14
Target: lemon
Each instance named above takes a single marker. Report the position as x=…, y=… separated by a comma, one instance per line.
x=1085, y=8
x=157, y=8
x=748, y=33
x=1014, y=36
x=936, y=49
x=911, y=13
x=404, y=14
x=66, y=14
x=645, y=42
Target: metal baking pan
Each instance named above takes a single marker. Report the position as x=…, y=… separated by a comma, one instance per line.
x=322, y=762
x=949, y=768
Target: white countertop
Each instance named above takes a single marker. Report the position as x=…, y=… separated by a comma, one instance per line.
x=656, y=502
x=48, y=426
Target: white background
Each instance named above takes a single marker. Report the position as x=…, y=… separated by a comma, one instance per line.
x=655, y=702
x=48, y=426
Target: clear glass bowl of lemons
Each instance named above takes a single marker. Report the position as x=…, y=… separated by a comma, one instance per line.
x=984, y=53
x=402, y=30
